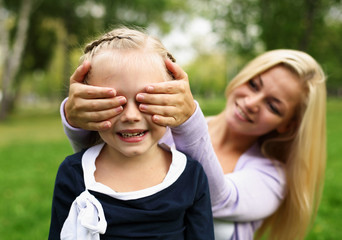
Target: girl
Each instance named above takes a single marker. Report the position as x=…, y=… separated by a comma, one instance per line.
x=127, y=186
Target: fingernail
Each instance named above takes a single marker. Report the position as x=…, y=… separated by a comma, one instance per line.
x=118, y=109
x=111, y=92
x=149, y=88
x=122, y=100
x=106, y=125
x=155, y=118
x=143, y=107
x=140, y=97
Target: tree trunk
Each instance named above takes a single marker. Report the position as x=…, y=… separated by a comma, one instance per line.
x=13, y=57
x=311, y=7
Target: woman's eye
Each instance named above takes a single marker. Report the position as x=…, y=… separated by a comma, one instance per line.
x=253, y=84
x=273, y=108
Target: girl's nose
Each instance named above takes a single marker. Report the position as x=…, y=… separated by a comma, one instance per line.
x=253, y=102
x=131, y=113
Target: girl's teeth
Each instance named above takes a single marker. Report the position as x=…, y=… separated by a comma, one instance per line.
x=128, y=135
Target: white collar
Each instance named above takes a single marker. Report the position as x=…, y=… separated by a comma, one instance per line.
x=88, y=164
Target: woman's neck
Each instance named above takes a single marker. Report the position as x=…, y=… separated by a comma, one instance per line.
x=228, y=144
x=225, y=137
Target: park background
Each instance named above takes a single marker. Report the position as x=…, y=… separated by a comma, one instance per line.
x=40, y=45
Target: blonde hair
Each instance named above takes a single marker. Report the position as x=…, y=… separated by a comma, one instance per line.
x=302, y=149
x=123, y=39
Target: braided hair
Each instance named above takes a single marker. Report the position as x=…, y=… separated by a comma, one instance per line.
x=125, y=38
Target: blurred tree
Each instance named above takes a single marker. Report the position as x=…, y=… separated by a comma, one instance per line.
x=252, y=26
x=207, y=74
x=77, y=20
x=12, y=52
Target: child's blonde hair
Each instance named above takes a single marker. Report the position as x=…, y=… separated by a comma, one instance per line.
x=126, y=39
x=302, y=149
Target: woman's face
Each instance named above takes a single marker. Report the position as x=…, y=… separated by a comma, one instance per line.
x=264, y=103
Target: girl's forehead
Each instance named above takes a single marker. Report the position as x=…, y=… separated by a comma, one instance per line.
x=130, y=59
x=110, y=69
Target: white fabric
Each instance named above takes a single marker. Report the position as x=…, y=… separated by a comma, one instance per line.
x=223, y=229
x=88, y=164
x=86, y=219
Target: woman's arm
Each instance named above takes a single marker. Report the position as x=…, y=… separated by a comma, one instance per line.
x=251, y=193
x=192, y=138
x=78, y=137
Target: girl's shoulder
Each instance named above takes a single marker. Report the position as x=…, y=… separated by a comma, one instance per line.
x=73, y=160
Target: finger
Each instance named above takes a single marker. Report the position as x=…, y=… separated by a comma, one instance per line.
x=79, y=113
x=176, y=70
x=166, y=111
x=100, y=116
x=101, y=104
x=99, y=126
x=80, y=73
x=158, y=99
x=90, y=92
x=170, y=87
x=95, y=121
x=164, y=121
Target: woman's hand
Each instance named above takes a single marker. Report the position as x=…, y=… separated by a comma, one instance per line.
x=171, y=103
x=90, y=107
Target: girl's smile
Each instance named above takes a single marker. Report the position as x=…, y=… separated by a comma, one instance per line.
x=132, y=135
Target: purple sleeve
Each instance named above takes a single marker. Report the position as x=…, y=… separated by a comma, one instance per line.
x=78, y=138
x=192, y=138
x=253, y=191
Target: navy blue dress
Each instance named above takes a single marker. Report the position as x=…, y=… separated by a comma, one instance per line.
x=180, y=211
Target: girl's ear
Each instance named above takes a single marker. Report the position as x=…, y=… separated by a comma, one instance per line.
x=287, y=127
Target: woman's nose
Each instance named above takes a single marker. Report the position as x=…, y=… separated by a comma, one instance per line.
x=253, y=102
x=131, y=113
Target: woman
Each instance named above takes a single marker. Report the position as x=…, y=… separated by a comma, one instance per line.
x=264, y=155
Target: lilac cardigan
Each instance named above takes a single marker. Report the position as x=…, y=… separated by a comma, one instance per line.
x=246, y=196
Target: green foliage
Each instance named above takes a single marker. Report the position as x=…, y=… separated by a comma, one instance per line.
x=212, y=106
x=207, y=75
x=83, y=19
x=57, y=28
x=253, y=26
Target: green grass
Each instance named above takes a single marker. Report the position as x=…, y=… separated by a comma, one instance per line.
x=31, y=149
x=33, y=144
x=327, y=224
